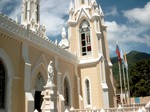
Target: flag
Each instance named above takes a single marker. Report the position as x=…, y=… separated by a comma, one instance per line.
x=118, y=52
x=125, y=61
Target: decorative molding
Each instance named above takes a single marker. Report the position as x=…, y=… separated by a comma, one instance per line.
x=91, y=60
x=23, y=34
x=81, y=12
x=33, y=75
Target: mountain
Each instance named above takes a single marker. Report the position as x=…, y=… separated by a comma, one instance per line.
x=132, y=57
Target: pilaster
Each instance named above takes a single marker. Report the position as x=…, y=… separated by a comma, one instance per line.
x=27, y=69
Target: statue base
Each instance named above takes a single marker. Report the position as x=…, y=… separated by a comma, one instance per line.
x=48, y=98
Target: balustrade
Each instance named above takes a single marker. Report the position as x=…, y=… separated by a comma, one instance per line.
x=12, y=26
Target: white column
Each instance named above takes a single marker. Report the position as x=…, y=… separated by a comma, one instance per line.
x=57, y=75
x=103, y=80
x=29, y=100
x=27, y=69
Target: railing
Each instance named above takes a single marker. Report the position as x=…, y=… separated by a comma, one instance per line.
x=132, y=108
x=135, y=105
x=123, y=109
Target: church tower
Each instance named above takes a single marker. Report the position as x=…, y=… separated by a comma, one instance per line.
x=30, y=17
x=88, y=41
x=30, y=13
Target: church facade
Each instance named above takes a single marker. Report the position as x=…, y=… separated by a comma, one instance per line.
x=81, y=64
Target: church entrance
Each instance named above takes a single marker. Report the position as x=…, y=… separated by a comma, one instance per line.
x=38, y=98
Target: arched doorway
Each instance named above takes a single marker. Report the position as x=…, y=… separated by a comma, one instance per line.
x=38, y=98
x=2, y=86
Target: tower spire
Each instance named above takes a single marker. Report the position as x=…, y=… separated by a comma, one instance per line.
x=30, y=14
x=84, y=3
x=101, y=11
x=94, y=3
x=71, y=10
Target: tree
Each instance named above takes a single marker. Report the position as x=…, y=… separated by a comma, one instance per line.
x=140, y=79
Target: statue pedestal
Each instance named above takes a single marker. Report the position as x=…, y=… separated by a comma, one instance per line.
x=48, y=98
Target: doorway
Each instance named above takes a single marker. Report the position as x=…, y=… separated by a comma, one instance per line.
x=38, y=98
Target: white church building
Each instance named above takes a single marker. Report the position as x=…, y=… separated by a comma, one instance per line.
x=81, y=66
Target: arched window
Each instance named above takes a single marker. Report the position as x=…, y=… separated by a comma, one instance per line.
x=85, y=38
x=37, y=13
x=87, y=90
x=26, y=10
x=2, y=86
x=38, y=98
x=66, y=92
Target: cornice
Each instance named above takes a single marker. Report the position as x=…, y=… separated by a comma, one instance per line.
x=20, y=33
x=91, y=61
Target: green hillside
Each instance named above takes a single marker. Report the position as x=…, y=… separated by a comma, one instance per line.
x=132, y=58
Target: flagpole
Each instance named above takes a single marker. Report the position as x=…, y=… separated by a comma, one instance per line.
x=124, y=83
x=127, y=75
x=120, y=80
x=128, y=86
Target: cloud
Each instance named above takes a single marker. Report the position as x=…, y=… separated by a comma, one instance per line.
x=112, y=11
x=52, y=15
x=16, y=13
x=127, y=35
x=132, y=33
x=12, y=8
x=141, y=15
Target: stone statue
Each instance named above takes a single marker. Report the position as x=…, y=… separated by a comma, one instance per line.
x=63, y=34
x=50, y=72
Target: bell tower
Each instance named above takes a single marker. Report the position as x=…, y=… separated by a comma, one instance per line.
x=31, y=13
x=88, y=41
x=85, y=26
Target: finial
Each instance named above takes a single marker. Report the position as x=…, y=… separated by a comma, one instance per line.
x=101, y=11
x=94, y=3
x=71, y=8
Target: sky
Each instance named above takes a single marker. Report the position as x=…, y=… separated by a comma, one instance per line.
x=128, y=21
